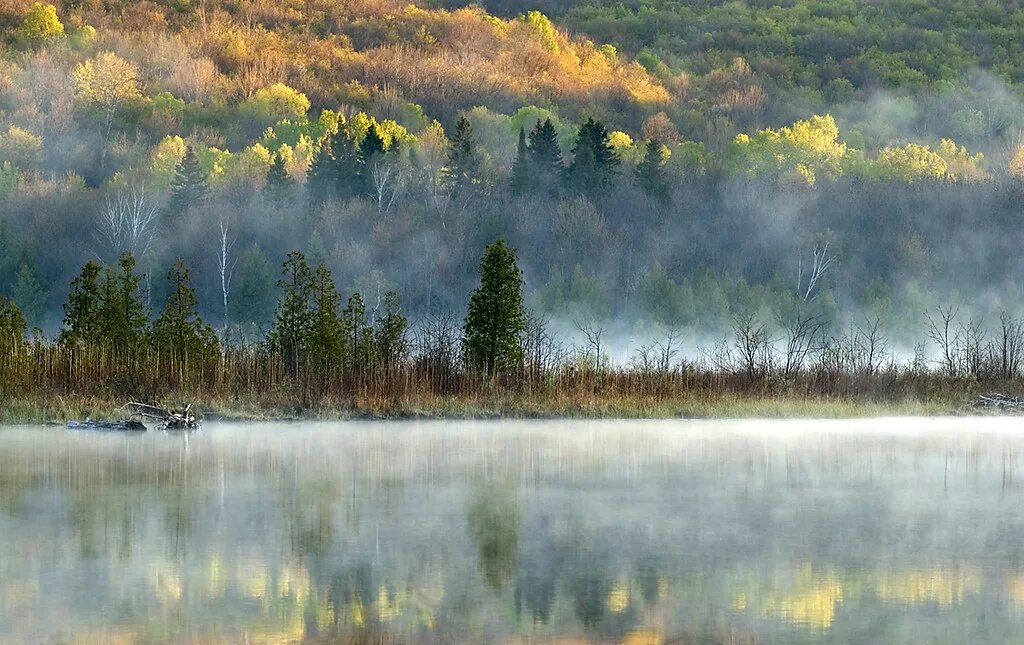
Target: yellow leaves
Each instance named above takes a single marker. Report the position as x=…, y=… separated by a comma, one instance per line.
x=274, y=103
x=40, y=25
x=21, y=148
x=911, y=163
x=618, y=598
x=166, y=156
x=803, y=150
x=107, y=81
x=542, y=27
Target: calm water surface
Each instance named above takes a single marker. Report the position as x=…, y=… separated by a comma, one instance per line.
x=863, y=531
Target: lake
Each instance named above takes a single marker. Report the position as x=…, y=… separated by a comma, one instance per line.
x=865, y=531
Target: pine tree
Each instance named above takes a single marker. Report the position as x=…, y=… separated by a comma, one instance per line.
x=463, y=157
x=123, y=314
x=335, y=168
x=496, y=317
x=180, y=331
x=595, y=162
x=324, y=343
x=253, y=301
x=390, y=333
x=30, y=293
x=651, y=175
x=292, y=320
x=358, y=336
x=279, y=183
x=545, y=168
x=82, y=311
x=12, y=327
x=189, y=188
x=371, y=148
x=521, y=179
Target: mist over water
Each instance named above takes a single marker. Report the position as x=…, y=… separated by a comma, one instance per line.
x=882, y=530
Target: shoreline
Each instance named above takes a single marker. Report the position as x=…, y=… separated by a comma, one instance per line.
x=58, y=410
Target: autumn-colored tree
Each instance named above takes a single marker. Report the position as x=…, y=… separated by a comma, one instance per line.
x=41, y=26
x=107, y=82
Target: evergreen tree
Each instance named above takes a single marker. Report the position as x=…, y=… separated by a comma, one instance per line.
x=521, y=180
x=651, y=175
x=463, y=157
x=12, y=327
x=496, y=317
x=180, y=331
x=390, y=332
x=545, y=167
x=189, y=188
x=253, y=301
x=326, y=336
x=335, y=168
x=83, y=322
x=594, y=163
x=293, y=319
x=30, y=293
x=371, y=148
x=279, y=183
x=358, y=336
x=122, y=312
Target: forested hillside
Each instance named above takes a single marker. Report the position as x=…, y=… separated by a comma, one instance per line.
x=658, y=163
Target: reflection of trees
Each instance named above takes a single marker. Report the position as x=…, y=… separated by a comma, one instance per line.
x=493, y=518
x=540, y=565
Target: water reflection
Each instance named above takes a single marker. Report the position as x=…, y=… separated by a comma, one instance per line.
x=515, y=532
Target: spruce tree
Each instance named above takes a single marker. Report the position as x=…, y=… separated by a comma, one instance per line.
x=371, y=148
x=252, y=304
x=651, y=175
x=325, y=340
x=30, y=293
x=463, y=157
x=189, y=188
x=83, y=322
x=496, y=317
x=390, y=332
x=293, y=320
x=180, y=331
x=123, y=314
x=279, y=183
x=12, y=327
x=358, y=336
x=545, y=167
x=521, y=180
x=335, y=168
x=595, y=162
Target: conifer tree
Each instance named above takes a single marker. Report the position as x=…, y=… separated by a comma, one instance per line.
x=30, y=293
x=595, y=162
x=358, y=336
x=12, y=327
x=463, y=157
x=390, y=332
x=279, y=182
x=293, y=319
x=545, y=167
x=371, y=148
x=335, y=168
x=83, y=322
x=324, y=343
x=253, y=301
x=651, y=175
x=496, y=317
x=521, y=180
x=180, y=331
x=123, y=314
x=189, y=188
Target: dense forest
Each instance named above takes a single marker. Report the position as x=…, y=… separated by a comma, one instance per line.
x=659, y=164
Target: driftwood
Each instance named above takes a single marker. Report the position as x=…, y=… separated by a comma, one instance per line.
x=116, y=426
x=168, y=418
x=999, y=402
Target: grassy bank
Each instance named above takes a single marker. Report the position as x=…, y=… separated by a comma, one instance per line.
x=42, y=408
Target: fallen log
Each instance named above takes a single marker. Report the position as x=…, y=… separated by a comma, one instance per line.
x=130, y=425
x=999, y=402
x=168, y=418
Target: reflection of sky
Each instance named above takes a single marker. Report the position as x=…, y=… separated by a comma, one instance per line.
x=476, y=532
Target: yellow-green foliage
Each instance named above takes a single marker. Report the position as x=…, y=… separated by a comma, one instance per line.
x=807, y=150
x=21, y=148
x=910, y=163
x=40, y=25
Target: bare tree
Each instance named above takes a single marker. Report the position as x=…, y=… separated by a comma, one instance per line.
x=225, y=259
x=1007, y=350
x=803, y=336
x=387, y=178
x=821, y=260
x=753, y=345
x=940, y=330
x=593, y=336
x=129, y=220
